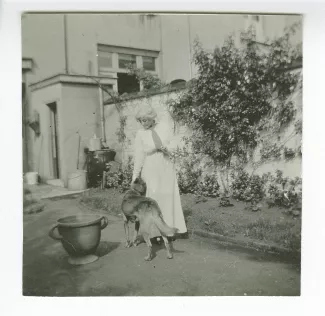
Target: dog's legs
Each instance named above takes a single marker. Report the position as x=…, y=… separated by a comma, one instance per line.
x=127, y=234
x=168, y=247
x=148, y=242
x=136, y=232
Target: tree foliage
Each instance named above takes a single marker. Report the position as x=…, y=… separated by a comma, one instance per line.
x=233, y=94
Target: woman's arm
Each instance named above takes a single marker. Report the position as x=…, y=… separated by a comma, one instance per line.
x=166, y=142
x=156, y=139
x=139, y=157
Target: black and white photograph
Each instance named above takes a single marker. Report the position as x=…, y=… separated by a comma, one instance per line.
x=161, y=154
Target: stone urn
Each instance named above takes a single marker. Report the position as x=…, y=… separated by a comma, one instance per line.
x=80, y=236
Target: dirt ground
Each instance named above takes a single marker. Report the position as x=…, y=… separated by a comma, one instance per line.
x=199, y=267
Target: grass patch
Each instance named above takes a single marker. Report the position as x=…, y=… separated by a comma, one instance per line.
x=270, y=225
x=285, y=234
x=108, y=200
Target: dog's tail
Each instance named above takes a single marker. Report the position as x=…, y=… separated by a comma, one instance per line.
x=157, y=219
x=164, y=229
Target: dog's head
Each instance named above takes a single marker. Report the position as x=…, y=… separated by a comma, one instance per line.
x=139, y=185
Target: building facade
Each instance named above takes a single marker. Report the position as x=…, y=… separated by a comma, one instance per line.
x=71, y=53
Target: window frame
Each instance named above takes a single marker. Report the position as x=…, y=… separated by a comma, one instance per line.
x=135, y=60
x=116, y=50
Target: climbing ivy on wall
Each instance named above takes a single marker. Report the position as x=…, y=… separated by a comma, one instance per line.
x=236, y=91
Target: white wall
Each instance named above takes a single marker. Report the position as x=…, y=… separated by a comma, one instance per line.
x=80, y=115
x=43, y=41
x=40, y=157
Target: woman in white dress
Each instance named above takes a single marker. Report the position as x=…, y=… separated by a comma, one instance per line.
x=153, y=144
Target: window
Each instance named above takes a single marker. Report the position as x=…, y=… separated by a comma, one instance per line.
x=148, y=63
x=125, y=59
x=127, y=83
x=113, y=62
x=104, y=60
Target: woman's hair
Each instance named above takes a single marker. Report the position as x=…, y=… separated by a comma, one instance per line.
x=146, y=112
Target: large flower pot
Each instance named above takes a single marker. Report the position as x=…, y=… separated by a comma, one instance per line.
x=80, y=236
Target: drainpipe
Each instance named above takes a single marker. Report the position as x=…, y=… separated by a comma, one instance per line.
x=189, y=44
x=65, y=44
x=161, y=70
x=102, y=114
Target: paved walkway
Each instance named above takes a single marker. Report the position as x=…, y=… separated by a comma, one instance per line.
x=46, y=191
x=199, y=267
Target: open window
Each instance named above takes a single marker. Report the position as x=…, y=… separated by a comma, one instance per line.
x=113, y=62
x=127, y=83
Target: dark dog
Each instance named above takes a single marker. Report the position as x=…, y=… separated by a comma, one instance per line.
x=146, y=215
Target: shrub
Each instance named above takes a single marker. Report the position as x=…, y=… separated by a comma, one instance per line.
x=121, y=179
x=189, y=170
x=283, y=192
x=225, y=201
x=209, y=186
x=247, y=188
x=188, y=177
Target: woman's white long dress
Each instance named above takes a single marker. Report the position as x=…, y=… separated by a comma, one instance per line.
x=158, y=171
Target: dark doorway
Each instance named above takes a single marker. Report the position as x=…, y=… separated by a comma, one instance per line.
x=127, y=83
x=54, y=139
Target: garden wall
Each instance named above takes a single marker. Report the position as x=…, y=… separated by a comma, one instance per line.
x=287, y=137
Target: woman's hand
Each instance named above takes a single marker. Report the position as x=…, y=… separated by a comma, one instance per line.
x=164, y=150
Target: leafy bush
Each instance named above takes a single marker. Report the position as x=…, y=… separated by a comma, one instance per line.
x=209, y=186
x=189, y=170
x=239, y=184
x=283, y=192
x=225, y=201
x=188, y=177
x=247, y=188
x=121, y=179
